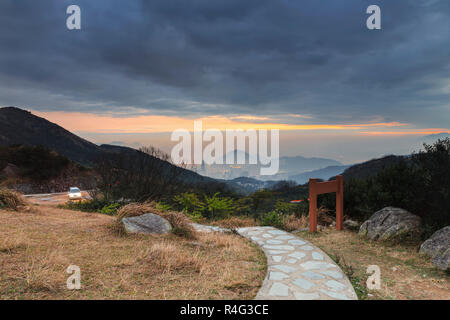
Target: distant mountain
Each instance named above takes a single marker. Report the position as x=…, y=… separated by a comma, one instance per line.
x=301, y=164
x=371, y=167
x=324, y=174
x=434, y=137
x=18, y=126
x=288, y=166
x=240, y=154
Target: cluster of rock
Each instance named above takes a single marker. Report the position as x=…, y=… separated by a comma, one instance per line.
x=395, y=224
x=148, y=223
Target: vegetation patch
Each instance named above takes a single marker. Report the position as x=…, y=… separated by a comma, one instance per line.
x=34, y=162
x=11, y=200
x=93, y=205
x=235, y=222
x=418, y=184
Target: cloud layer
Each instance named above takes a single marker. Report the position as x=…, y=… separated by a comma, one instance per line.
x=265, y=58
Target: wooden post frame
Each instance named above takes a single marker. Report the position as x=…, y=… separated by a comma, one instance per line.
x=316, y=188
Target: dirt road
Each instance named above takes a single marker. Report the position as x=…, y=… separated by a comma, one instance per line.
x=53, y=198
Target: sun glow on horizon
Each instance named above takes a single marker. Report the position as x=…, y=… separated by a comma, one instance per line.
x=87, y=122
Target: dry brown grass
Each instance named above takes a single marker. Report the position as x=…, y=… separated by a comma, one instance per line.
x=134, y=210
x=234, y=222
x=292, y=223
x=36, y=250
x=404, y=273
x=181, y=225
x=13, y=244
x=12, y=200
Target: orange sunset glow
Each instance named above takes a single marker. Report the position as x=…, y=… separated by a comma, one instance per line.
x=85, y=122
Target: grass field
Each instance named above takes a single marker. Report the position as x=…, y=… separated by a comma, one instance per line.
x=37, y=247
x=40, y=242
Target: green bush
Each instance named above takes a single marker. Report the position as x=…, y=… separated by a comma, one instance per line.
x=110, y=209
x=243, y=206
x=217, y=207
x=190, y=204
x=161, y=206
x=285, y=207
x=272, y=218
x=94, y=205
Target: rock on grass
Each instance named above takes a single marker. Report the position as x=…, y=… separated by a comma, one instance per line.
x=438, y=248
x=392, y=224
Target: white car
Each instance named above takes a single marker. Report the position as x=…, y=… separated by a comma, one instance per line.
x=75, y=194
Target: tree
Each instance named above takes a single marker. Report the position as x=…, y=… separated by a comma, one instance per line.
x=138, y=175
x=419, y=184
x=218, y=207
x=190, y=203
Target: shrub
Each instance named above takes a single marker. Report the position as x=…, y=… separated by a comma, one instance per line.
x=293, y=222
x=94, y=205
x=181, y=225
x=190, y=204
x=217, y=207
x=272, y=218
x=36, y=162
x=134, y=210
x=11, y=200
x=243, y=206
x=110, y=209
x=418, y=184
x=285, y=207
x=262, y=200
x=161, y=206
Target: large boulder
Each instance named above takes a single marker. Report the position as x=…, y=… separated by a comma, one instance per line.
x=438, y=248
x=391, y=224
x=148, y=223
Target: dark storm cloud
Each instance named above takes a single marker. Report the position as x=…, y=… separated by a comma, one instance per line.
x=199, y=57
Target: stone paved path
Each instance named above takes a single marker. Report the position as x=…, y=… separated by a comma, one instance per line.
x=296, y=269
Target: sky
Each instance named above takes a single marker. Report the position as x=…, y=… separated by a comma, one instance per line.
x=139, y=69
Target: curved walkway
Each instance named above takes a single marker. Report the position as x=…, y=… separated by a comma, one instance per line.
x=296, y=269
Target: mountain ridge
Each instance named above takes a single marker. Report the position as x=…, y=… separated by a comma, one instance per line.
x=18, y=126
x=21, y=127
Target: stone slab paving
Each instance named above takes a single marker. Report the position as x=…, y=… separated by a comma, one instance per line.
x=296, y=269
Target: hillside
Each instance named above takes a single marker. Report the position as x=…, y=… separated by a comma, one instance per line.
x=371, y=167
x=324, y=174
x=20, y=127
